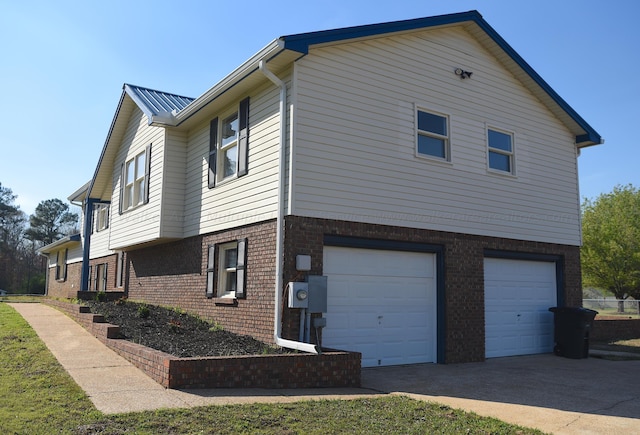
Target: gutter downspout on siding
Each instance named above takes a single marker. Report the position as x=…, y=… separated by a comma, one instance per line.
x=88, y=220
x=291, y=344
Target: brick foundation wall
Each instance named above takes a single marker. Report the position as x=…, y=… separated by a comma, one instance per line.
x=328, y=370
x=112, y=268
x=464, y=272
x=174, y=274
x=67, y=288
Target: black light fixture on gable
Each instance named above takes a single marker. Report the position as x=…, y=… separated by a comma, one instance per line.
x=463, y=74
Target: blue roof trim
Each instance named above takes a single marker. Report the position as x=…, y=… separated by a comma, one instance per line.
x=301, y=43
x=74, y=238
x=591, y=137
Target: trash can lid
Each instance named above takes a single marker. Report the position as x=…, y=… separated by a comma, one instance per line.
x=576, y=311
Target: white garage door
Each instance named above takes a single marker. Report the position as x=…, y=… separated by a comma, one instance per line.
x=382, y=304
x=518, y=295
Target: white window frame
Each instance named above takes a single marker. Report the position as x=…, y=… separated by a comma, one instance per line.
x=101, y=277
x=435, y=135
x=219, y=277
x=134, y=189
x=510, y=154
x=102, y=217
x=224, y=148
x=227, y=275
x=120, y=269
x=219, y=146
x=61, y=265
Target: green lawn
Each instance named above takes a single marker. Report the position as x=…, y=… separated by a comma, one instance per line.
x=38, y=397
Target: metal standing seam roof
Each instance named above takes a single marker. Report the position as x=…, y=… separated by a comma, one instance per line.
x=157, y=105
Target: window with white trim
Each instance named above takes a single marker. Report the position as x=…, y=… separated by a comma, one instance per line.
x=227, y=268
x=228, y=149
x=432, y=134
x=135, y=180
x=101, y=216
x=61, y=265
x=228, y=145
x=500, y=151
x=101, y=277
x=120, y=269
x=226, y=272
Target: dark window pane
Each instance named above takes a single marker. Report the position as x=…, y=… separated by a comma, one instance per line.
x=432, y=123
x=499, y=140
x=431, y=146
x=229, y=130
x=230, y=258
x=499, y=161
x=231, y=282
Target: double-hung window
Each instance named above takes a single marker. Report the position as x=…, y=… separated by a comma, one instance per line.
x=432, y=135
x=226, y=272
x=229, y=145
x=120, y=269
x=101, y=216
x=101, y=277
x=500, y=151
x=61, y=265
x=135, y=180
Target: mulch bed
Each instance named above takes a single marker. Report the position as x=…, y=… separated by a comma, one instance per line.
x=176, y=332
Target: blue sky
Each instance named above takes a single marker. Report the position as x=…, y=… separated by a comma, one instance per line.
x=63, y=64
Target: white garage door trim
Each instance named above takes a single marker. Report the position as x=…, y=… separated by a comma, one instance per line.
x=382, y=303
x=518, y=295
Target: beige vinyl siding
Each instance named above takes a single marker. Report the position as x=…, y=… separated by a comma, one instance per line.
x=175, y=163
x=244, y=200
x=142, y=223
x=99, y=246
x=74, y=255
x=355, y=141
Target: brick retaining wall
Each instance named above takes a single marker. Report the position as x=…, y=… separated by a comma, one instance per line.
x=330, y=369
x=607, y=329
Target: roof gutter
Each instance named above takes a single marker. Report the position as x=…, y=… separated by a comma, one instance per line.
x=277, y=329
x=74, y=238
x=229, y=81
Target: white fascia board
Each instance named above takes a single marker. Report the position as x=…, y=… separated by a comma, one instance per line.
x=230, y=80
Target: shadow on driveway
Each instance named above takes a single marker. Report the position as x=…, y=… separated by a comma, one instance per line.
x=544, y=391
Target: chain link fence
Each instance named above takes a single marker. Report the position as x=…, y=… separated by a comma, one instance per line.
x=613, y=307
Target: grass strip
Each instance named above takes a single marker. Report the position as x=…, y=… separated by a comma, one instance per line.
x=36, y=393
x=37, y=396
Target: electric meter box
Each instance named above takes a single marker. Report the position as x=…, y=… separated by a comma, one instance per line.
x=298, y=294
x=317, y=293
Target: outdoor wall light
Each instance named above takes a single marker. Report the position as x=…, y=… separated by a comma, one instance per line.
x=463, y=74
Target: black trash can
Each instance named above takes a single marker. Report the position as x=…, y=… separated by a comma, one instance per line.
x=571, y=331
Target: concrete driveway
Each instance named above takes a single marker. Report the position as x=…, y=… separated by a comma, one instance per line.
x=554, y=394
x=551, y=393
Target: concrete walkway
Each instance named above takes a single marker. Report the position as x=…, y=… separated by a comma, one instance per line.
x=553, y=394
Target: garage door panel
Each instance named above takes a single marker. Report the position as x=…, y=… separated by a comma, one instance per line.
x=388, y=296
x=518, y=294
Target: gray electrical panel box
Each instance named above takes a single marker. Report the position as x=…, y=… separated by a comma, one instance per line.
x=317, y=293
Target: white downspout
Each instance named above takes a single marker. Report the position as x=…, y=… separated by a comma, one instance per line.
x=291, y=344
